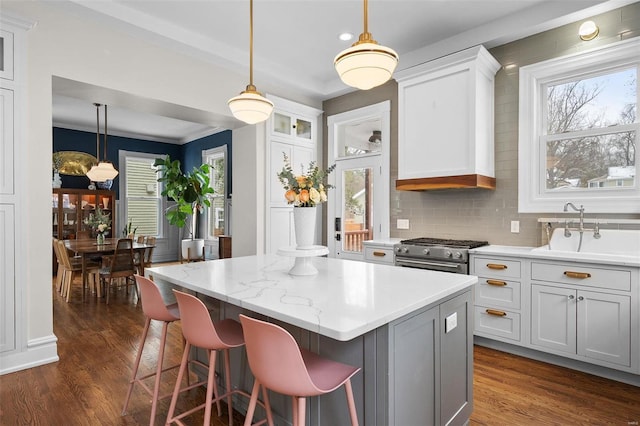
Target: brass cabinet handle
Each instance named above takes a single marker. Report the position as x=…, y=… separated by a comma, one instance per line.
x=496, y=312
x=496, y=282
x=496, y=266
x=379, y=253
x=580, y=275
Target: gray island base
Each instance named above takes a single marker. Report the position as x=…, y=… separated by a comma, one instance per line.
x=408, y=329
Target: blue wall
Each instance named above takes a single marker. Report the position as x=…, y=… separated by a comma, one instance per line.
x=190, y=154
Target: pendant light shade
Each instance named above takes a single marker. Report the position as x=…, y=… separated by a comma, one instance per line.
x=250, y=106
x=366, y=64
x=104, y=170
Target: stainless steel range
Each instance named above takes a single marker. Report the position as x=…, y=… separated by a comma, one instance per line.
x=436, y=254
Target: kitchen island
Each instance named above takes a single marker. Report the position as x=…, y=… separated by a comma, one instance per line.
x=408, y=329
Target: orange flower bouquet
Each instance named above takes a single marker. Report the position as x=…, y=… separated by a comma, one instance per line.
x=307, y=189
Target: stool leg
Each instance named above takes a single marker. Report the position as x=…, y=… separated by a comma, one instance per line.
x=252, y=403
x=351, y=403
x=212, y=388
x=176, y=389
x=227, y=374
x=302, y=409
x=267, y=405
x=156, y=388
x=136, y=364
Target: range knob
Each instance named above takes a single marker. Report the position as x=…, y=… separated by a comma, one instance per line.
x=426, y=251
x=457, y=255
x=447, y=253
x=402, y=250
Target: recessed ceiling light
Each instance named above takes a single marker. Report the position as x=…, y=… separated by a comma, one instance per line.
x=345, y=36
x=588, y=30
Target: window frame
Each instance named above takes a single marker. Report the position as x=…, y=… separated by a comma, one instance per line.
x=206, y=154
x=533, y=197
x=124, y=199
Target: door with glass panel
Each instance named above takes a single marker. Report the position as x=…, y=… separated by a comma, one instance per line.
x=358, y=207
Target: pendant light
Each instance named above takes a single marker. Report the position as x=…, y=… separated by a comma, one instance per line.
x=250, y=106
x=104, y=170
x=366, y=64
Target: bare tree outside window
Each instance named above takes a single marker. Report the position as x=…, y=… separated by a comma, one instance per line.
x=587, y=142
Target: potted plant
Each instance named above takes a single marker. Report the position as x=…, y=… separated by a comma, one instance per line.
x=191, y=193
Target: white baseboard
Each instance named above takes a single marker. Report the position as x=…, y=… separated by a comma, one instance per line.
x=40, y=351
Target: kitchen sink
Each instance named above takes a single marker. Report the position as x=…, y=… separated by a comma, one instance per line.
x=611, y=242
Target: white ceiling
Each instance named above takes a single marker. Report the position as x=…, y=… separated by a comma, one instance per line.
x=295, y=42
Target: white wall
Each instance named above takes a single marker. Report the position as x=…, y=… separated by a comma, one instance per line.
x=78, y=49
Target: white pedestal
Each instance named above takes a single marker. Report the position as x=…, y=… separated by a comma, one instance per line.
x=303, y=264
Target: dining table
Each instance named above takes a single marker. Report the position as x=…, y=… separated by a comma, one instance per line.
x=86, y=248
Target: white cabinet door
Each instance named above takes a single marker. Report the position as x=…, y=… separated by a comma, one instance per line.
x=281, y=229
x=553, y=318
x=604, y=327
x=6, y=142
x=7, y=279
x=299, y=156
x=276, y=190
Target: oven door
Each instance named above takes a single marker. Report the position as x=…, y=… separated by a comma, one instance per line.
x=456, y=268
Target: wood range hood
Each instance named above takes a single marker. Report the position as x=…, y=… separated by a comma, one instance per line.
x=446, y=182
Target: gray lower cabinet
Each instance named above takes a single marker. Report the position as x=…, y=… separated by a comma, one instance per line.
x=414, y=371
x=580, y=311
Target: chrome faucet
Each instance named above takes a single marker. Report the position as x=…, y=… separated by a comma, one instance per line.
x=567, y=232
x=580, y=210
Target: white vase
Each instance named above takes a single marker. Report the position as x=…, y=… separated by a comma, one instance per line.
x=192, y=249
x=304, y=220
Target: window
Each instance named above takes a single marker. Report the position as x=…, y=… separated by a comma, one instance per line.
x=216, y=215
x=579, y=131
x=143, y=203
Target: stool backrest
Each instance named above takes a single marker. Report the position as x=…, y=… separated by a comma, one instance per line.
x=197, y=326
x=153, y=305
x=275, y=358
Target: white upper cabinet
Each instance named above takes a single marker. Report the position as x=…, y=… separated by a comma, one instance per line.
x=445, y=122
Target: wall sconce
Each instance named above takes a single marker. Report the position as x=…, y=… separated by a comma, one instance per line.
x=588, y=30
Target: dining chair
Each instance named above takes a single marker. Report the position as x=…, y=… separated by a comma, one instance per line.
x=200, y=331
x=143, y=259
x=70, y=269
x=140, y=239
x=121, y=266
x=279, y=364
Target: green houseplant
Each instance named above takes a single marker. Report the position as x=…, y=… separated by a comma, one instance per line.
x=190, y=191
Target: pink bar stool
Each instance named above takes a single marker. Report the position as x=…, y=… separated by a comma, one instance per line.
x=279, y=364
x=200, y=331
x=154, y=308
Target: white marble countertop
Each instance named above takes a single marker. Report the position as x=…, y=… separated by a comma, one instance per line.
x=344, y=300
x=536, y=253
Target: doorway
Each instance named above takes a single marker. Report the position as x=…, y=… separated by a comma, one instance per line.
x=358, y=205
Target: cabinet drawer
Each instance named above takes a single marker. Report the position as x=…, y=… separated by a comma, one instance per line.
x=501, y=293
x=581, y=275
x=488, y=267
x=501, y=324
x=379, y=255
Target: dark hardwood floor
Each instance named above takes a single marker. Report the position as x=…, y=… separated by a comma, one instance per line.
x=97, y=345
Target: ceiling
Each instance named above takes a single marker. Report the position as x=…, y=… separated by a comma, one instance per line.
x=295, y=42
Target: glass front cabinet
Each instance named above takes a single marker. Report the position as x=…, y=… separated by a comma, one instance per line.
x=71, y=209
x=292, y=126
